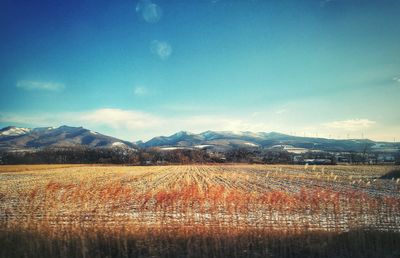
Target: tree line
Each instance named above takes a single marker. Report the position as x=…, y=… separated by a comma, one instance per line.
x=156, y=156
x=82, y=155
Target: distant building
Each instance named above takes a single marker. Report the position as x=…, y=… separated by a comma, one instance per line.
x=342, y=159
x=297, y=159
x=317, y=161
x=290, y=149
x=386, y=158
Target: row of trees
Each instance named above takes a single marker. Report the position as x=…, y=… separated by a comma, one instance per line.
x=155, y=156
x=80, y=155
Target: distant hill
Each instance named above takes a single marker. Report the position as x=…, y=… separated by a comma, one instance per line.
x=226, y=140
x=17, y=138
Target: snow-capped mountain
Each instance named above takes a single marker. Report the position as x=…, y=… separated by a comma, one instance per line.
x=13, y=131
x=222, y=140
x=225, y=140
x=16, y=138
x=181, y=138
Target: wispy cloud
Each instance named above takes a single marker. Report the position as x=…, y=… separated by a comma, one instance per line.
x=119, y=118
x=140, y=91
x=281, y=111
x=351, y=124
x=40, y=85
x=323, y=3
x=116, y=122
x=396, y=79
x=149, y=11
x=161, y=48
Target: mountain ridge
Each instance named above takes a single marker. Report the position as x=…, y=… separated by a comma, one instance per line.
x=21, y=138
x=225, y=140
x=18, y=138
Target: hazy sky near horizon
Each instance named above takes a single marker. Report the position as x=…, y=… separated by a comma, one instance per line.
x=138, y=69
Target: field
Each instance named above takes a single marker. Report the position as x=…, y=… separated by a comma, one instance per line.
x=199, y=211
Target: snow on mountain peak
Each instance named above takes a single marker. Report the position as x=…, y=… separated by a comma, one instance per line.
x=14, y=131
x=182, y=133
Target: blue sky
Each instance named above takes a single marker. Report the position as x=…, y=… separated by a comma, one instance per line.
x=137, y=69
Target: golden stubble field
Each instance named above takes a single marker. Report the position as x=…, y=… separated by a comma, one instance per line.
x=238, y=200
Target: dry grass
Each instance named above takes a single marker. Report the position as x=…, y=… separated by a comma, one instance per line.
x=190, y=206
x=20, y=168
x=76, y=241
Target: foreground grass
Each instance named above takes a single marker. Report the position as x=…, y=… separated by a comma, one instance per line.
x=199, y=211
x=193, y=242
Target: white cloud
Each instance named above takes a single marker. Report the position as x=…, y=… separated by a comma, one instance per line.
x=281, y=111
x=119, y=118
x=149, y=11
x=140, y=91
x=119, y=122
x=40, y=85
x=219, y=123
x=396, y=79
x=161, y=48
x=351, y=124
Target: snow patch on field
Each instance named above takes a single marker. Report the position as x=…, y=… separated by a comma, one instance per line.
x=173, y=148
x=251, y=144
x=202, y=146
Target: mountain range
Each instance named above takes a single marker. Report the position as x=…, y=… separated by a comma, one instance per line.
x=18, y=138
x=225, y=140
